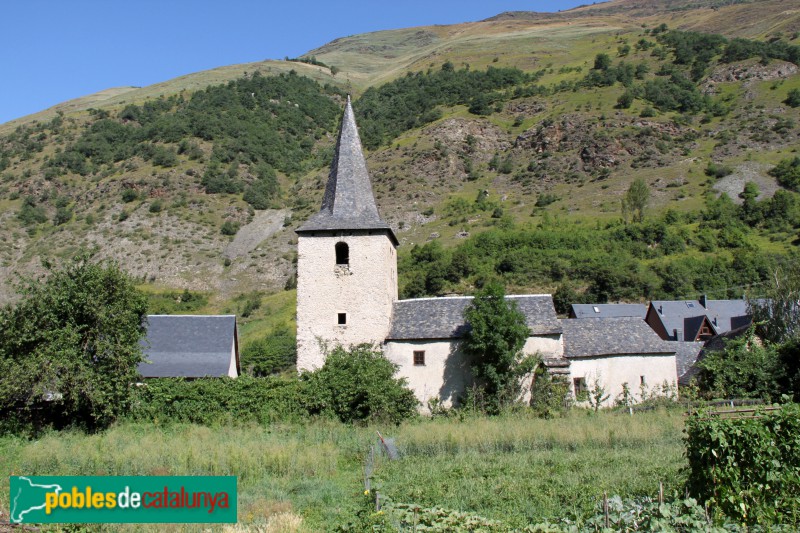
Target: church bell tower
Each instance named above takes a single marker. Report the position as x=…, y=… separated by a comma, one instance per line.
x=346, y=260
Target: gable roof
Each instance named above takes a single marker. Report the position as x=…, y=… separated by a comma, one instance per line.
x=687, y=315
x=443, y=318
x=191, y=346
x=726, y=315
x=348, y=203
x=607, y=310
x=715, y=343
x=594, y=337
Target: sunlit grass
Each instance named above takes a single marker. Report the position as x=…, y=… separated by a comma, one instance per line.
x=514, y=468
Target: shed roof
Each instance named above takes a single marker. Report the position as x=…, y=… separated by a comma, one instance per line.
x=348, y=203
x=608, y=310
x=191, y=346
x=594, y=337
x=443, y=318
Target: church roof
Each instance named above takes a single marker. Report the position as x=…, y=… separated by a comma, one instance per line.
x=595, y=337
x=348, y=203
x=191, y=346
x=443, y=318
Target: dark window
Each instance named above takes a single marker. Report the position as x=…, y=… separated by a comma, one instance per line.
x=342, y=319
x=419, y=358
x=642, y=381
x=581, y=392
x=342, y=253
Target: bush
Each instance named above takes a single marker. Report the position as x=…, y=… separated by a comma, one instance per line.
x=718, y=171
x=787, y=172
x=793, y=98
x=129, y=195
x=746, y=468
x=229, y=227
x=156, y=206
x=69, y=348
x=219, y=400
x=274, y=353
x=359, y=385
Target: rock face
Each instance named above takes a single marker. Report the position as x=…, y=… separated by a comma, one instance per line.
x=748, y=72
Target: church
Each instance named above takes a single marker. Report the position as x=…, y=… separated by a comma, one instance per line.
x=347, y=294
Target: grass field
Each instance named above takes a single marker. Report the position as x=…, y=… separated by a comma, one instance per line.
x=517, y=469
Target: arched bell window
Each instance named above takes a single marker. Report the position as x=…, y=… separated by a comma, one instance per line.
x=342, y=253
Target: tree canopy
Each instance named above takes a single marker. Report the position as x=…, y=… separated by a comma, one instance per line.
x=69, y=348
x=494, y=342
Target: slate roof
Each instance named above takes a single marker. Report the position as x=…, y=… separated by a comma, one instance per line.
x=726, y=315
x=715, y=343
x=723, y=315
x=443, y=318
x=191, y=346
x=608, y=310
x=348, y=203
x=593, y=337
x=685, y=357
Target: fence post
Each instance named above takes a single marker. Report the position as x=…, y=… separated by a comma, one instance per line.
x=660, y=493
x=605, y=507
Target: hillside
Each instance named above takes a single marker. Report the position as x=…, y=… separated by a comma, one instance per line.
x=527, y=128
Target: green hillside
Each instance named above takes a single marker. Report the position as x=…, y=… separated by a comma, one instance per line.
x=501, y=148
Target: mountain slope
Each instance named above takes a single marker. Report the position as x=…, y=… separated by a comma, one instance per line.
x=472, y=127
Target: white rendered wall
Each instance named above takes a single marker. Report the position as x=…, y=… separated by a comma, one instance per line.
x=365, y=290
x=613, y=371
x=232, y=371
x=446, y=373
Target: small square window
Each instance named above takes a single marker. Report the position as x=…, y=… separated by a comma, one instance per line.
x=419, y=358
x=342, y=317
x=642, y=380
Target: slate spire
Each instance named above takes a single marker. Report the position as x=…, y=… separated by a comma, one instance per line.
x=348, y=203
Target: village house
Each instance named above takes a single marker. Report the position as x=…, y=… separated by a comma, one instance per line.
x=347, y=295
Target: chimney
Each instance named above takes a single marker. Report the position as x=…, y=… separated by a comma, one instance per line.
x=703, y=300
x=660, y=310
x=678, y=334
x=715, y=321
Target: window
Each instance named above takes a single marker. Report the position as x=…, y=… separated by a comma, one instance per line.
x=419, y=358
x=342, y=253
x=581, y=391
x=342, y=319
x=642, y=380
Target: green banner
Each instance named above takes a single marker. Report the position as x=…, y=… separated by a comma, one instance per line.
x=122, y=499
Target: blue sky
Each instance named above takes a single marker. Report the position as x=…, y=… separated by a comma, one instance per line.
x=55, y=50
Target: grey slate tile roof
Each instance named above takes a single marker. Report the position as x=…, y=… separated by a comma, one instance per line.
x=191, y=346
x=443, y=318
x=348, y=203
x=592, y=337
x=715, y=343
x=608, y=310
x=685, y=357
x=723, y=314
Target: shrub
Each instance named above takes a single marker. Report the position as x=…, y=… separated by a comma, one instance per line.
x=718, y=171
x=274, y=353
x=359, y=385
x=219, y=400
x=129, y=195
x=229, y=227
x=793, y=98
x=746, y=468
x=69, y=348
x=156, y=206
x=787, y=172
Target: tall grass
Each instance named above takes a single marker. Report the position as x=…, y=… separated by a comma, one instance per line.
x=515, y=468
